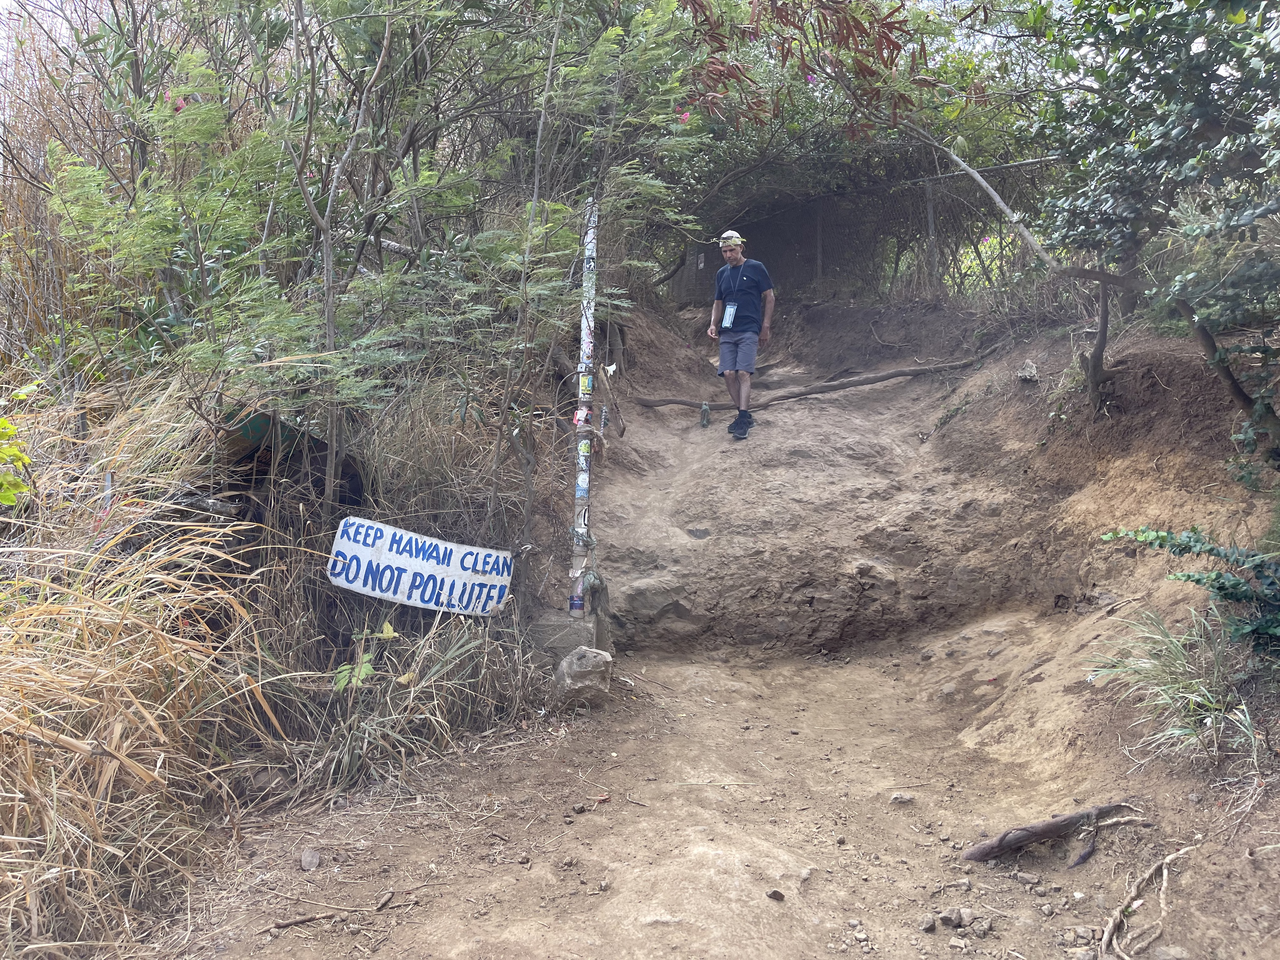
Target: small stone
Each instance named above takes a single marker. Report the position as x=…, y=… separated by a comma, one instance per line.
x=1194, y=798
x=805, y=874
x=310, y=858
x=776, y=894
x=1172, y=953
x=1083, y=933
x=840, y=841
x=901, y=798
x=1026, y=878
x=523, y=858
x=273, y=932
x=568, y=820
x=795, y=733
x=579, y=808
x=967, y=916
x=948, y=688
x=981, y=927
x=928, y=925
x=352, y=928
x=1040, y=892
x=958, y=943
x=895, y=663
x=1047, y=910
x=861, y=937
x=950, y=918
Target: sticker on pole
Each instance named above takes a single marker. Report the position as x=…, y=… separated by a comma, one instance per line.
x=392, y=564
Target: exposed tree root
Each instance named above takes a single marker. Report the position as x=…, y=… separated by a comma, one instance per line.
x=1139, y=940
x=819, y=388
x=1051, y=829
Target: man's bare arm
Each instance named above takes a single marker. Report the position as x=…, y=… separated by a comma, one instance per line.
x=765, y=332
x=717, y=311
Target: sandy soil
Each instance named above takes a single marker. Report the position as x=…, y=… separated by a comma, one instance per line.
x=844, y=656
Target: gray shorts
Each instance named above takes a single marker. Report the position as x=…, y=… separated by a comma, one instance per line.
x=738, y=352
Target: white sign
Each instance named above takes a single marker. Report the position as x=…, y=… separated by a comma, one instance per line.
x=393, y=564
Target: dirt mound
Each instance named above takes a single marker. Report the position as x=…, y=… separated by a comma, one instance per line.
x=838, y=337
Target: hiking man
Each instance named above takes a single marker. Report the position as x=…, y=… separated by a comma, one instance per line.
x=740, y=321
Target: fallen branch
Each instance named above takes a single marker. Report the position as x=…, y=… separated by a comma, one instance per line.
x=1051, y=829
x=1152, y=931
x=296, y=921
x=819, y=388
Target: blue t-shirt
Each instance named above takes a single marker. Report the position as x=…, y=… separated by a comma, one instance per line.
x=744, y=286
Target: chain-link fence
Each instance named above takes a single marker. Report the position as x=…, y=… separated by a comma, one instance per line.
x=916, y=236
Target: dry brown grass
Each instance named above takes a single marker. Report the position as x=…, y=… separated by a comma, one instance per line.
x=170, y=644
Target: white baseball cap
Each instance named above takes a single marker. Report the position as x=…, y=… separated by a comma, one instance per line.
x=731, y=238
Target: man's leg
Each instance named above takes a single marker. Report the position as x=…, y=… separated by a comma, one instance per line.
x=744, y=391
x=731, y=381
x=740, y=391
x=745, y=355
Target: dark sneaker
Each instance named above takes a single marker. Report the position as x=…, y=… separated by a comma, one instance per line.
x=740, y=427
x=750, y=420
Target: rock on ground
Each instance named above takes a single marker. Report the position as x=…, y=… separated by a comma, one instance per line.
x=583, y=675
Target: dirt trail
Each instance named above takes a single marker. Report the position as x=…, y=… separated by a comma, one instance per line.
x=906, y=618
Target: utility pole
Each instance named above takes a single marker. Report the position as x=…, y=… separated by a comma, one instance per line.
x=583, y=544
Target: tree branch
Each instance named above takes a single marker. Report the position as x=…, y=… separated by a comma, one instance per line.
x=820, y=388
x=1259, y=408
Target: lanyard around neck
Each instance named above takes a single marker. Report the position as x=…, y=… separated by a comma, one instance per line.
x=741, y=269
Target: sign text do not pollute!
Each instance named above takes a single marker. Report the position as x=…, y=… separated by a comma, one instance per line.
x=393, y=564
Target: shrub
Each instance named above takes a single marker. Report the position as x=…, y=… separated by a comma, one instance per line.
x=1253, y=591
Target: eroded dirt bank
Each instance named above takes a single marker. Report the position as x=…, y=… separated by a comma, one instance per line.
x=811, y=622
x=834, y=524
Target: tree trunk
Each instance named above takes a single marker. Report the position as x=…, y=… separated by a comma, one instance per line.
x=1260, y=410
x=1096, y=376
